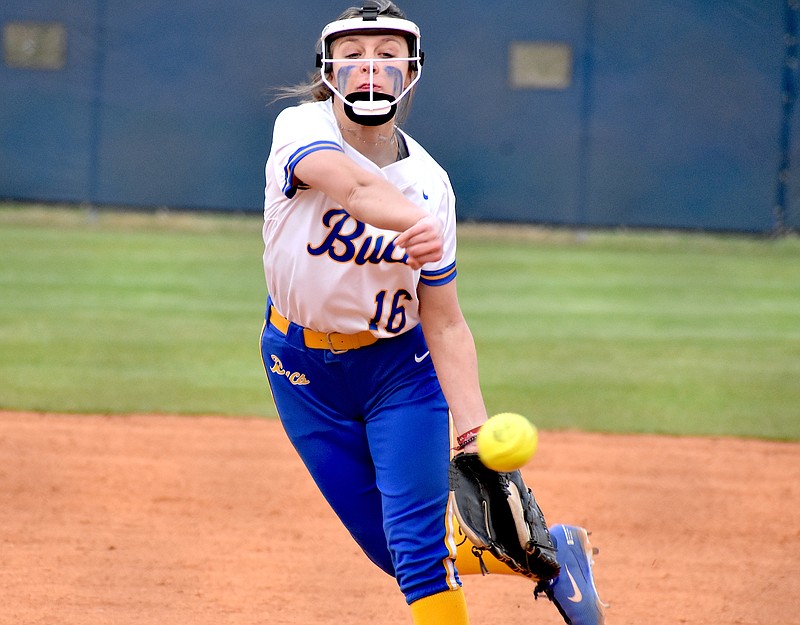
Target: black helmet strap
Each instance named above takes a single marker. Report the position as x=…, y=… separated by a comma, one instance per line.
x=370, y=10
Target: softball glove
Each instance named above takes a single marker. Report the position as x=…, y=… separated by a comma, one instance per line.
x=498, y=513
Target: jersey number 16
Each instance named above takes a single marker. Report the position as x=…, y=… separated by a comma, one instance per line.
x=396, y=320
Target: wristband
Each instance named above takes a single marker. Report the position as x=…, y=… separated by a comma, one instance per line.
x=470, y=436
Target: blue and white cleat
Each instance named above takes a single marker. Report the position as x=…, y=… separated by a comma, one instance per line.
x=573, y=592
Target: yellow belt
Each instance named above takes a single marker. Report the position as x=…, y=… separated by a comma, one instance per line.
x=333, y=341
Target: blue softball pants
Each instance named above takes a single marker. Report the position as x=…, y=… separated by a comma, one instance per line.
x=372, y=427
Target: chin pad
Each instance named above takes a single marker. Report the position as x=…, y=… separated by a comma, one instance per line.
x=374, y=119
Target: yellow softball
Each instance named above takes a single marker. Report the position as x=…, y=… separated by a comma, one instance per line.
x=507, y=441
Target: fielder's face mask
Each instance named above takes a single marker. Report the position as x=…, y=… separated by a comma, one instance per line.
x=370, y=108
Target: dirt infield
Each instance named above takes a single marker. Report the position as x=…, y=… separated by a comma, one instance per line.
x=171, y=520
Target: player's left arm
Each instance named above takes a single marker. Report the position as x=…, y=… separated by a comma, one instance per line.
x=453, y=353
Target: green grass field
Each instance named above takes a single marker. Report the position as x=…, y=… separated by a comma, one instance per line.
x=615, y=331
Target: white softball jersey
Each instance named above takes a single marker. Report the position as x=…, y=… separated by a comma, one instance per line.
x=324, y=269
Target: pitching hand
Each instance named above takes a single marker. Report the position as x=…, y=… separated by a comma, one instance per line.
x=423, y=242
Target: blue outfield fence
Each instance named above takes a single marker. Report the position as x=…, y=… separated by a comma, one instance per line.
x=582, y=113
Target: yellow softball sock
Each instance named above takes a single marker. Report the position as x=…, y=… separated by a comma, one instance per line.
x=445, y=608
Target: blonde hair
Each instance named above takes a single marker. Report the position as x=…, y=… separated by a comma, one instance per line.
x=315, y=90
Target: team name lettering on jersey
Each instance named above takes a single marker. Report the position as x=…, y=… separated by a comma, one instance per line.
x=345, y=242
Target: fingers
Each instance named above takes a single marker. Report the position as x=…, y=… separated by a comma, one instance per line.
x=423, y=242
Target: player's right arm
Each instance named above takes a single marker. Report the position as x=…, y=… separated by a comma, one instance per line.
x=373, y=200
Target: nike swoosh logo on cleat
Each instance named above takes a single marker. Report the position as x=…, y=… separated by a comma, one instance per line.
x=421, y=358
x=577, y=595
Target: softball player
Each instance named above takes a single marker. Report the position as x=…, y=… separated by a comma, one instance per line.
x=364, y=345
